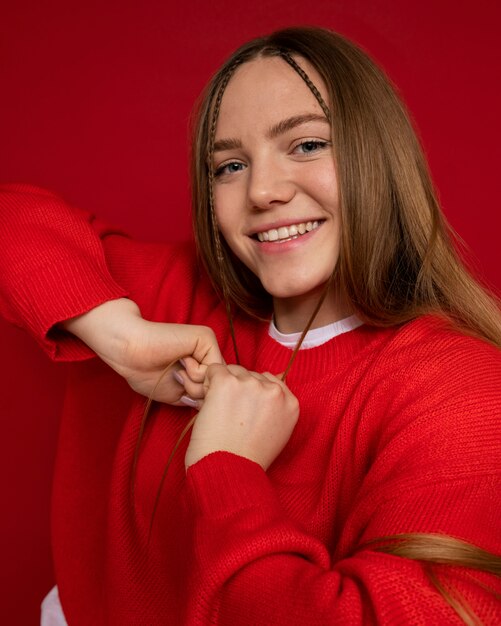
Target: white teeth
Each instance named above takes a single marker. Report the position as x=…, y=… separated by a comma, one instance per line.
x=286, y=232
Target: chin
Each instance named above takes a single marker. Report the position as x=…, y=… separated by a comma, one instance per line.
x=294, y=290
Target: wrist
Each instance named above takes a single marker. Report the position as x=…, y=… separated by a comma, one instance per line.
x=105, y=328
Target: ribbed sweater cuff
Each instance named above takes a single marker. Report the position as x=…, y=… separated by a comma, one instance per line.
x=223, y=482
x=79, y=289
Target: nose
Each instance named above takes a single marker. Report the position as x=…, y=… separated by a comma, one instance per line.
x=269, y=184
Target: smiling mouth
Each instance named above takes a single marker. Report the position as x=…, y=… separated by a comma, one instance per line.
x=286, y=233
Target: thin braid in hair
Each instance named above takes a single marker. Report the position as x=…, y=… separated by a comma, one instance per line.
x=307, y=327
x=215, y=228
x=226, y=298
x=220, y=257
x=183, y=434
x=299, y=70
x=285, y=55
x=436, y=553
x=142, y=427
x=477, y=558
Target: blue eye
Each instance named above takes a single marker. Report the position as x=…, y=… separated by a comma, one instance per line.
x=229, y=168
x=311, y=146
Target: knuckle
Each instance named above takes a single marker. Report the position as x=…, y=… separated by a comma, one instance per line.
x=274, y=392
x=208, y=332
x=212, y=369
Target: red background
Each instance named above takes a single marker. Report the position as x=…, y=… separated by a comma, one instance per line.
x=95, y=100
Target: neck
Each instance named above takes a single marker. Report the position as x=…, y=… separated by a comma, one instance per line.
x=291, y=315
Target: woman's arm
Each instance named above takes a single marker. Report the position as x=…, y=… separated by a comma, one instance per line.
x=140, y=350
x=64, y=275
x=52, y=266
x=434, y=469
x=250, y=564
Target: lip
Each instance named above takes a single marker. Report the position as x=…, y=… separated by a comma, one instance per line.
x=271, y=247
x=281, y=223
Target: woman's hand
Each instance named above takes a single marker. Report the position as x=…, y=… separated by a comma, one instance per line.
x=252, y=415
x=140, y=350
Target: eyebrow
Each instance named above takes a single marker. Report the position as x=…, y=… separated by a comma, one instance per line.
x=291, y=122
x=275, y=131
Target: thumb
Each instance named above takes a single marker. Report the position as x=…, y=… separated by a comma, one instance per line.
x=206, y=348
x=214, y=370
x=196, y=371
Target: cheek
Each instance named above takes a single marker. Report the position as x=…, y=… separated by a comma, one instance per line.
x=227, y=207
x=328, y=193
x=322, y=180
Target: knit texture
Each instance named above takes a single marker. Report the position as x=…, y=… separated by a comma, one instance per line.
x=398, y=432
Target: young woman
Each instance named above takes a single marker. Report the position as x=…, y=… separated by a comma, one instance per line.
x=342, y=367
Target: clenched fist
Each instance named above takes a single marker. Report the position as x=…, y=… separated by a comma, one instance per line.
x=250, y=414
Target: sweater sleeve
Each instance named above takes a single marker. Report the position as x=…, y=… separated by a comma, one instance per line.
x=437, y=470
x=57, y=262
x=250, y=564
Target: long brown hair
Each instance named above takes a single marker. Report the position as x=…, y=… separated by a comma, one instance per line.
x=398, y=256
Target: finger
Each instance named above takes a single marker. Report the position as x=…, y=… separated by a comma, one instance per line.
x=192, y=389
x=276, y=379
x=286, y=391
x=186, y=401
x=239, y=371
x=215, y=370
x=242, y=373
x=196, y=371
x=177, y=375
x=190, y=402
x=207, y=349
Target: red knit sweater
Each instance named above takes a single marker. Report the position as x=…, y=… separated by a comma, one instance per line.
x=398, y=432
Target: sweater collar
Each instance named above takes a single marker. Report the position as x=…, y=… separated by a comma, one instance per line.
x=313, y=363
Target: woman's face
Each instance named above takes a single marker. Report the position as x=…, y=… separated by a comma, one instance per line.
x=276, y=195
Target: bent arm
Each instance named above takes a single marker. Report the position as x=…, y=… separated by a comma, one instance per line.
x=432, y=465
x=250, y=564
x=52, y=266
x=64, y=277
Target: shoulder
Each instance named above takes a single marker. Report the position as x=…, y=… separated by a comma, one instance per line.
x=428, y=361
x=434, y=411
x=439, y=391
x=433, y=381
x=431, y=346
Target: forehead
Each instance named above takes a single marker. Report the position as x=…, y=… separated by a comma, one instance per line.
x=265, y=91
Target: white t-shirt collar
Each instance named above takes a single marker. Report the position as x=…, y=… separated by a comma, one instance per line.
x=316, y=336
